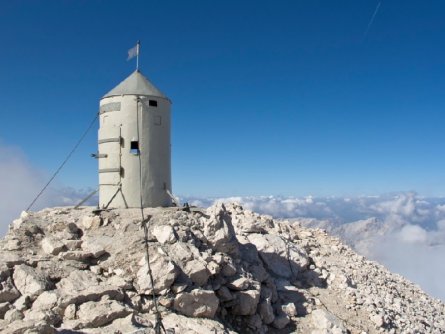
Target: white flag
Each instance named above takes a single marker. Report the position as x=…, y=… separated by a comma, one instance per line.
x=133, y=52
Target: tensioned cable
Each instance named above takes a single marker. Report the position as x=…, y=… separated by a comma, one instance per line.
x=159, y=323
x=64, y=162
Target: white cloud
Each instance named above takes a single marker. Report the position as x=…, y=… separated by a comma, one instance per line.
x=20, y=182
x=412, y=234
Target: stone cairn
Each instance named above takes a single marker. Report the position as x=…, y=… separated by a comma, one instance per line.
x=217, y=270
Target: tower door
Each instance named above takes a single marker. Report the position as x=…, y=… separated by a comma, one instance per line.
x=109, y=155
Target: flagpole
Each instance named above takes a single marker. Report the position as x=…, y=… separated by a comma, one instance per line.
x=138, y=45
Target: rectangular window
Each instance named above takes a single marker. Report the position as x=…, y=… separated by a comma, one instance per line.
x=152, y=103
x=158, y=120
x=134, y=147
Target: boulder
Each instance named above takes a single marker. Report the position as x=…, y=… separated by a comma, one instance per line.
x=164, y=273
x=197, y=271
x=197, y=303
x=70, y=312
x=327, y=322
x=46, y=300
x=289, y=309
x=13, y=315
x=47, y=316
x=282, y=259
x=30, y=281
x=52, y=246
x=247, y=302
x=96, y=314
x=164, y=234
x=91, y=222
x=228, y=269
x=77, y=255
x=224, y=294
x=177, y=323
x=239, y=283
x=281, y=320
x=219, y=232
x=8, y=291
x=82, y=286
x=29, y=327
x=4, y=307
x=23, y=303
x=266, y=312
x=93, y=247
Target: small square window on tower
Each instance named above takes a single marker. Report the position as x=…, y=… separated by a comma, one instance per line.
x=134, y=147
x=152, y=103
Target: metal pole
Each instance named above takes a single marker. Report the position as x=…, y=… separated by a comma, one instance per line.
x=138, y=45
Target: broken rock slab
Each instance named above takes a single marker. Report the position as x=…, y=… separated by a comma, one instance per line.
x=83, y=286
x=164, y=234
x=197, y=303
x=30, y=281
x=4, y=307
x=163, y=270
x=52, y=246
x=326, y=322
x=197, y=271
x=8, y=291
x=282, y=259
x=30, y=327
x=91, y=222
x=219, y=231
x=247, y=302
x=96, y=314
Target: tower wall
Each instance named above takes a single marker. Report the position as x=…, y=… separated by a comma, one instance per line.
x=121, y=145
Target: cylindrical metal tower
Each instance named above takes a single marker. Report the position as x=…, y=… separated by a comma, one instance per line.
x=134, y=145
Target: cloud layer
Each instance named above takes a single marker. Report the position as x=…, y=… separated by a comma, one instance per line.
x=20, y=182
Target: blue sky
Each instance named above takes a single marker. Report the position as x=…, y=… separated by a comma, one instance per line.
x=282, y=98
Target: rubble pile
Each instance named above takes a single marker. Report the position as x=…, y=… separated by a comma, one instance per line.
x=216, y=270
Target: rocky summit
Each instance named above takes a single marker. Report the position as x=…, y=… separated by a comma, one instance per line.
x=217, y=270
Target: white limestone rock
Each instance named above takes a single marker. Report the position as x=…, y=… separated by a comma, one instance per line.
x=23, y=303
x=164, y=234
x=46, y=300
x=282, y=259
x=164, y=273
x=52, y=246
x=13, y=315
x=252, y=272
x=327, y=322
x=97, y=314
x=289, y=309
x=93, y=247
x=197, y=271
x=239, y=283
x=197, y=303
x=219, y=232
x=70, y=312
x=91, y=222
x=30, y=281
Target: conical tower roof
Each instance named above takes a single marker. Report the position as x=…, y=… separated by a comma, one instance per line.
x=135, y=84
